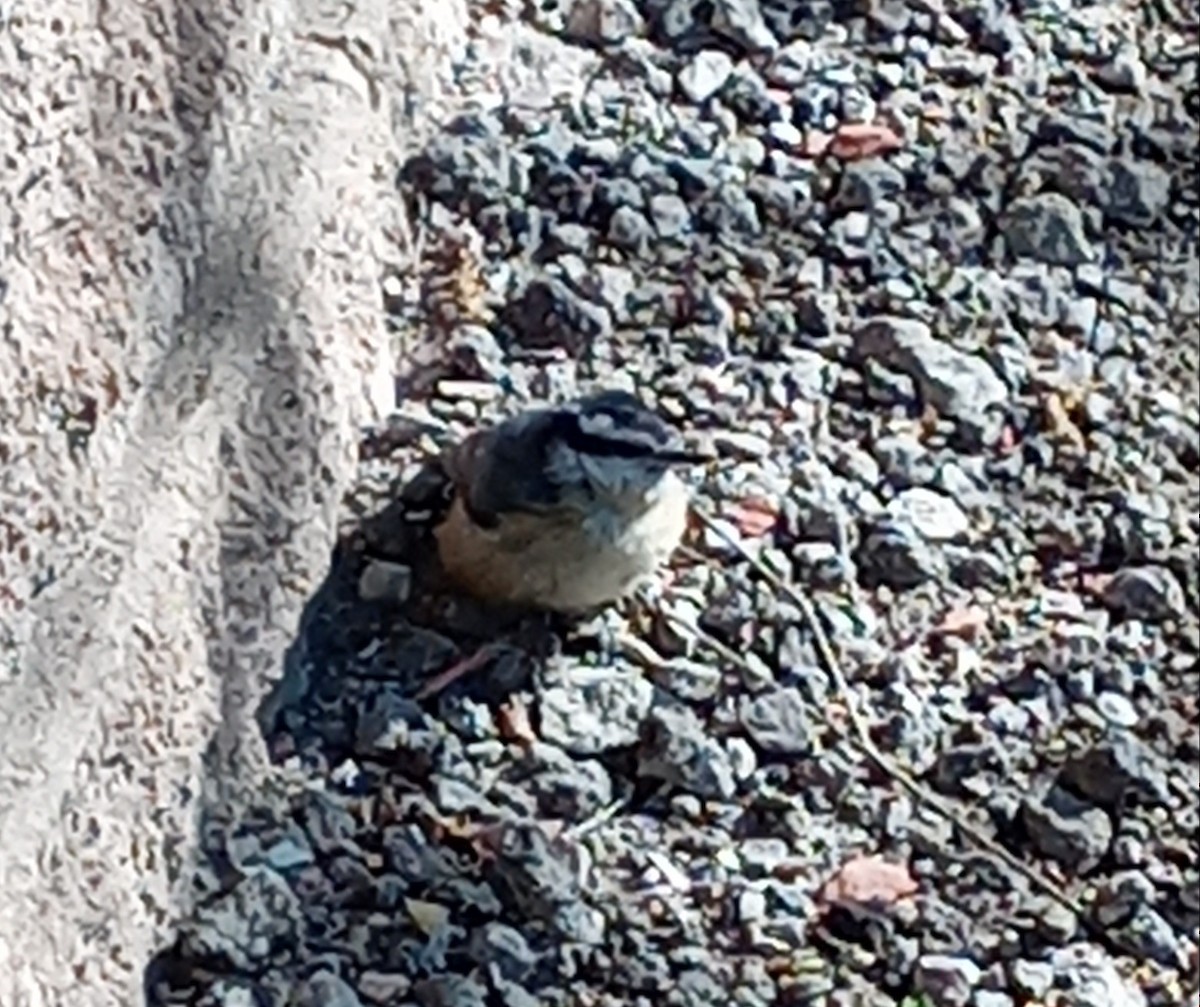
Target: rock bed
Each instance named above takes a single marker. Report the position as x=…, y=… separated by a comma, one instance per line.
x=926, y=278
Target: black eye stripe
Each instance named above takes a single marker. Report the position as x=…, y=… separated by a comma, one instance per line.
x=615, y=447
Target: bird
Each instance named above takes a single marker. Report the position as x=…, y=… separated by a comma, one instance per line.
x=565, y=508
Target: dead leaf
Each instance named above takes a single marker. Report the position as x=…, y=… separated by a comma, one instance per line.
x=868, y=880
x=514, y=725
x=815, y=144
x=1059, y=424
x=964, y=623
x=927, y=423
x=754, y=516
x=454, y=827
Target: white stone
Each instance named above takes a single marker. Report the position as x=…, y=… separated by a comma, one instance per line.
x=934, y=516
x=705, y=74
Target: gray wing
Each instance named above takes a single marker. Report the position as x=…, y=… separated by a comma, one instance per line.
x=506, y=468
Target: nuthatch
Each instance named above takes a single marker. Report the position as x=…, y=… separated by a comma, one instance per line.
x=565, y=508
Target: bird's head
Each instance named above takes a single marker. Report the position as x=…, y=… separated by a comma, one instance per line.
x=611, y=446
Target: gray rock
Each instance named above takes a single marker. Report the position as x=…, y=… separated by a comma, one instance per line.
x=676, y=749
x=451, y=991
x=818, y=311
x=731, y=214
x=973, y=568
x=1117, y=709
x=629, y=229
x=1142, y=523
x=390, y=722
x=791, y=66
x=887, y=387
x=603, y=22
x=595, y=716
x=1047, y=227
x=232, y=993
x=574, y=238
x=971, y=769
x=892, y=553
x=1145, y=592
x=692, y=681
x=784, y=134
x=1073, y=832
x=455, y=796
x=747, y=94
x=865, y=185
x=1124, y=71
x=705, y=75
x=737, y=21
x=742, y=444
x=469, y=719
x=852, y=463
x=615, y=192
x=760, y=856
x=947, y=980
x=964, y=225
x=903, y=460
x=934, y=516
x=1119, y=896
x=697, y=987
x=1152, y=937
x=325, y=989
x=752, y=906
x=385, y=581
x=249, y=924
x=532, y=874
x=411, y=855
x=566, y=788
x=293, y=850
x=670, y=215
x=743, y=762
x=741, y=21
x=852, y=237
x=549, y=314
x=1056, y=924
x=327, y=823
x=778, y=722
x=474, y=165
x=815, y=511
x=614, y=287
x=1136, y=193
x=961, y=385
x=821, y=565
x=1031, y=979
x=718, y=539
x=1088, y=977
x=512, y=995
x=503, y=951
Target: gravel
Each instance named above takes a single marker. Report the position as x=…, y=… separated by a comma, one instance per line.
x=925, y=280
